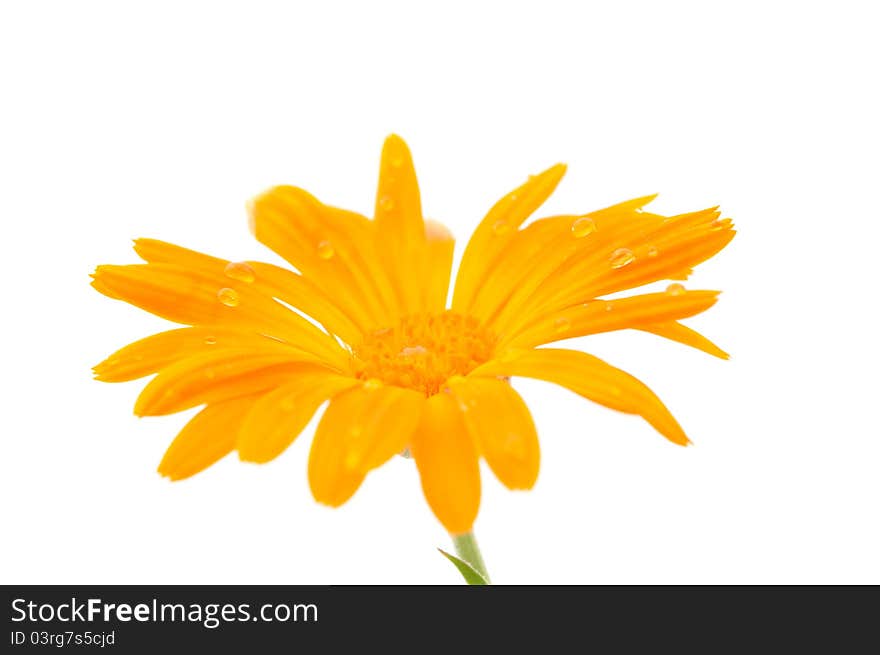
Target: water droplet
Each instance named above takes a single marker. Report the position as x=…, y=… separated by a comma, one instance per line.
x=561, y=324
x=513, y=196
x=372, y=384
x=413, y=351
x=675, y=289
x=325, y=250
x=653, y=251
x=240, y=271
x=396, y=161
x=352, y=460
x=386, y=203
x=211, y=341
x=622, y=257
x=228, y=297
x=609, y=305
x=501, y=227
x=720, y=224
x=513, y=446
x=583, y=226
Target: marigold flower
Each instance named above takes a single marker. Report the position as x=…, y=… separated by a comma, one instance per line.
x=400, y=369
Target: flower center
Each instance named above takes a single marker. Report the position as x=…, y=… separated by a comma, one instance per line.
x=423, y=351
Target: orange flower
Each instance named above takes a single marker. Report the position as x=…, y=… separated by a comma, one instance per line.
x=400, y=370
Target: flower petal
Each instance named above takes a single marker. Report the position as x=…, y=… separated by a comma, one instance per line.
x=607, y=315
x=271, y=280
x=333, y=248
x=591, y=378
x=500, y=424
x=625, y=250
x=278, y=417
x=441, y=246
x=209, y=436
x=448, y=464
x=683, y=334
x=217, y=376
x=189, y=296
x=361, y=429
x=400, y=228
x=147, y=356
x=496, y=230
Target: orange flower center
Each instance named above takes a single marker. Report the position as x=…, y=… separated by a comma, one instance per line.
x=425, y=350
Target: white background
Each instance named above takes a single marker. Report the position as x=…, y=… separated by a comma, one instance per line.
x=122, y=120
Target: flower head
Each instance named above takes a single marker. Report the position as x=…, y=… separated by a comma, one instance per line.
x=401, y=369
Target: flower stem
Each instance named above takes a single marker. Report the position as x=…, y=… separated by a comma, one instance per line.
x=467, y=549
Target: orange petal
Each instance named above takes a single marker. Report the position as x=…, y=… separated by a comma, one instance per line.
x=148, y=355
x=216, y=376
x=189, y=296
x=501, y=425
x=682, y=334
x=400, y=229
x=496, y=230
x=623, y=251
x=607, y=315
x=333, y=248
x=277, y=418
x=285, y=285
x=441, y=246
x=209, y=436
x=361, y=429
x=527, y=250
x=591, y=378
x=448, y=464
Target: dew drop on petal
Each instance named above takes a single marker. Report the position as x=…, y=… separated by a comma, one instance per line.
x=228, y=297
x=386, y=203
x=501, y=227
x=582, y=227
x=675, y=289
x=561, y=324
x=652, y=251
x=372, y=384
x=396, y=161
x=622, y=257
x=211, y=341
x=240, y=271
x=325, y=250
x=513, y=446
x=352, y=460
x=609, y=305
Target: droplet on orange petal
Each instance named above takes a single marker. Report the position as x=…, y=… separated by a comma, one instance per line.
x=675, y=289
x=561, y=324
x=240, y=271
x=228, y=297
x=386, y=203
x=653, y=251
x=582, y=227
x=501, y=227
x=325, y=250
x=373, y=384
x=622, y=257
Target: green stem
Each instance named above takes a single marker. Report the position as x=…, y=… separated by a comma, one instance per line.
x=467, y=549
